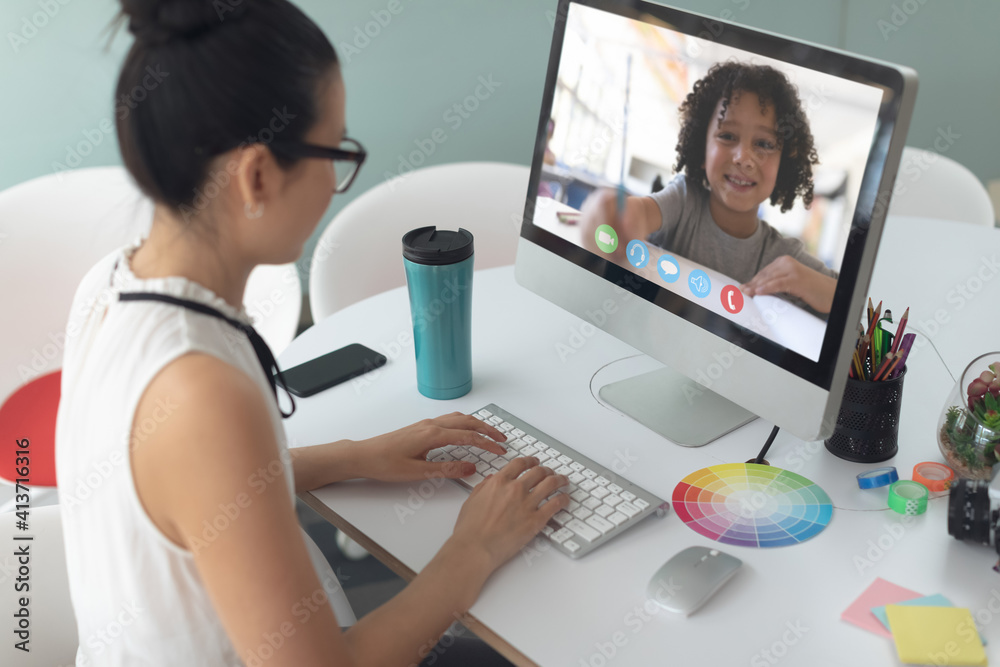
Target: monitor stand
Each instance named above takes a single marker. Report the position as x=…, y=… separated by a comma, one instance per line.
x=676, y=407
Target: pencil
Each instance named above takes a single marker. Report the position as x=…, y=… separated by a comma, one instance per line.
x=904, y=352
x=871, y=325
x=871, y=310
x=884, y=367
x=899, y=330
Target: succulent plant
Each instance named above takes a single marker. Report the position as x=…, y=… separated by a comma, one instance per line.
x=984, y=397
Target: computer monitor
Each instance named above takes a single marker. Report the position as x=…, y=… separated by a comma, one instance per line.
x=759, y=125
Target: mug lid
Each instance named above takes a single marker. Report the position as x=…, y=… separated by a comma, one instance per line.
x=429, y=245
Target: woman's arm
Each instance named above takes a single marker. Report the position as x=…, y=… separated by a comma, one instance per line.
x=213, y=462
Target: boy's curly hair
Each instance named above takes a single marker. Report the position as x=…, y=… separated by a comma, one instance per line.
x=723, y=81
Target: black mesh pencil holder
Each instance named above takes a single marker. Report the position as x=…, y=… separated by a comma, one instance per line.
x=868, y=421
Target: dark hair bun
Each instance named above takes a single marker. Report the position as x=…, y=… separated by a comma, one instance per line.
x=160, y=21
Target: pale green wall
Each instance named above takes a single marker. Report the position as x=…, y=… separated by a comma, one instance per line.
x=59, y=84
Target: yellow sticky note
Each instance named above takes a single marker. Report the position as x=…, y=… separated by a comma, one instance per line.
x=935, y=635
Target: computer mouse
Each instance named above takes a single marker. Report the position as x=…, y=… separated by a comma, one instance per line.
x=685, y=582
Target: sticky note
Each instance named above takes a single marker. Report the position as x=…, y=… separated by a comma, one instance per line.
x=935, y=635
x=929, y=601
x=881, y=592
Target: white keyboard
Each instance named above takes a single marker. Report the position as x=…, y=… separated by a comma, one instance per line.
x=602, y=505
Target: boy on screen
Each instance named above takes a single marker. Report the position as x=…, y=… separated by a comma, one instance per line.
x=744, y=140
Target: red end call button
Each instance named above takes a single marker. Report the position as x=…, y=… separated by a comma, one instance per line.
x=732, y=299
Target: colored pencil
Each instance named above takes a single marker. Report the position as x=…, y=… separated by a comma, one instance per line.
x=899, y=330
x=871, y=325
x=884, y=367
x=904, y=352
x=871, y=311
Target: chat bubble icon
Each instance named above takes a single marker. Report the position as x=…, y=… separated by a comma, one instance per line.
x=668, y=268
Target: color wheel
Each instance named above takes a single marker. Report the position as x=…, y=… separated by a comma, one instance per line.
x=752, y=505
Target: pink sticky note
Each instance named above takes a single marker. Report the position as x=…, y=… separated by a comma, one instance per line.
x=881, y=592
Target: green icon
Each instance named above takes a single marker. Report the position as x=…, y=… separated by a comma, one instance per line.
x=607, y=238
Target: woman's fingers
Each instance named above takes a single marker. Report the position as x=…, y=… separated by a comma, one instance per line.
x=548, y=486
x=517, y=466
x=534, y=476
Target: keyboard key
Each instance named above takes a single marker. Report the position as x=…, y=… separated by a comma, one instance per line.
x=485, y=413
x=600, y=524
x=515, y=444
x=600, y=492
x=612, y=500
x=474, y=479
x=640, y=503
x=628, y=495
x=589, y=474
x=578, y=467
x=541, y=445
x=562, y=517
x=479, y=417
x=603, y=481
x=517, y=433
x=565, y=460
x=604, y=511
x=628, y=509
x=482, y=466
x=580, y=495
x=561, y=535
x=494, y=420
x=553, y=452
x=499, y=463
x=614, y=488
x=572, y=505
x=571, y=546
x=529, y=440
x=487, y=456
x=581, y=512
x=442, y=458
x=583, y=530
x=470, y=458
x=588, y=485
x=459, y=452
x=563, y=470
x=548, y=530
x=505, y=426
x=617, y=518
x=528, y=451
x=575, y=477
x=591, y=503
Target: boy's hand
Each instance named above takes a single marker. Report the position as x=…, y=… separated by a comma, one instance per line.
x=789, y=276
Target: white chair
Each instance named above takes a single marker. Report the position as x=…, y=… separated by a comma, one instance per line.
x=931, y=185
x=53, y=639
x=360, y=252
x=52, y=230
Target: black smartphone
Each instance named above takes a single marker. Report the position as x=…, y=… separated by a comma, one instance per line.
x=331, y=369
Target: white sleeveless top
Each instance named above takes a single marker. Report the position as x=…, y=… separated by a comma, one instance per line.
x=137, y=596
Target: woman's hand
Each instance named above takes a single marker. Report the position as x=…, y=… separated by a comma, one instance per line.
x=401, y=456
x=789, y=276
x=502, y=514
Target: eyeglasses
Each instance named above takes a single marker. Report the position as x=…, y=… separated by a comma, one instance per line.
x=347, y=159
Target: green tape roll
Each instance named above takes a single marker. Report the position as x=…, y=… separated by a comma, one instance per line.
x=908, y=497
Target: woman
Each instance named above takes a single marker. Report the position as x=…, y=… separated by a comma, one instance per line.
x=188, y=551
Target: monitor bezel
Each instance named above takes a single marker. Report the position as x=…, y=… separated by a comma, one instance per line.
x=870, y=205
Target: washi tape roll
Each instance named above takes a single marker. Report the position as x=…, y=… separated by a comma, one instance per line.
x=935, y=476
x=871, y=479
x=908, y=497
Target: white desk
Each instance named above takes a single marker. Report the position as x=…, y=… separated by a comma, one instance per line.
x=545, y=608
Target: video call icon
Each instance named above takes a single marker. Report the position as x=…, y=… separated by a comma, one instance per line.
x=638, y=253
x=668, y=268
x=607, y=238
x=699, y=283
x=732, y=299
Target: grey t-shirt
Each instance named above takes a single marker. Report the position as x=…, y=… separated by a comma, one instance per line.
x=689, y=230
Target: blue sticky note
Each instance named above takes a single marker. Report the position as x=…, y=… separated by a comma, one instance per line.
x=929, y=601
x=937, y=600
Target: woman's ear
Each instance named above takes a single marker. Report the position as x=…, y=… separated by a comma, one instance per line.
x=251, y=167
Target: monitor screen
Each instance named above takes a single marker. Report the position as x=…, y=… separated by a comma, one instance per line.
x=727, y=176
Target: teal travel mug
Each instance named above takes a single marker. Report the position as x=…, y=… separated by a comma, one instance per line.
x=439, y=279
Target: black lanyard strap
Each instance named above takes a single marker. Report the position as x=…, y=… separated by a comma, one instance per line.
x=259, y=346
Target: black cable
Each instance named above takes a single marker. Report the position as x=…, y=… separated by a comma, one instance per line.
x=767, y=445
